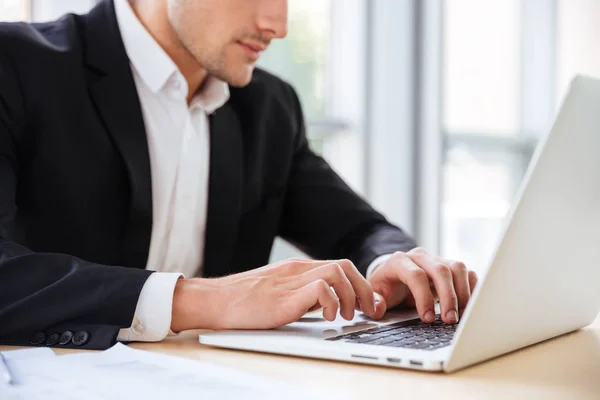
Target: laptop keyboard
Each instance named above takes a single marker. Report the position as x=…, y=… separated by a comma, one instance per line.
x=413, y=334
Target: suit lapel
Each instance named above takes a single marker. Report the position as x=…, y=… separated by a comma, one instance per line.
x=225, y=190
x=123, y=120
x=113, y=91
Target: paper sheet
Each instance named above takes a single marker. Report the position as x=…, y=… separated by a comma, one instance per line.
x=36, y=352
x=23, y=377
x=125, y=373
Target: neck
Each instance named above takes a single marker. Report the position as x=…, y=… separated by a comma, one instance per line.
x=153, y=15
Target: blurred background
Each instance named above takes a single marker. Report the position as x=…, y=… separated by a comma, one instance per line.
x=431, y=109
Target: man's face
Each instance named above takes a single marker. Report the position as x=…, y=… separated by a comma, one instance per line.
x=226, y=37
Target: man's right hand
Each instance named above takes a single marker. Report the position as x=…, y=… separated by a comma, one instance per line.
x=272, y=296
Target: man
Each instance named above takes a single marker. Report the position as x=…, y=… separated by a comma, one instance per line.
x=140, y=138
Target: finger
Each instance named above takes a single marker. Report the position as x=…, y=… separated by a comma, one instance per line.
x=357, y=305
x=441, y=275
x=473, y=279
x=295, y=266
x=417, y=281
x=460, y=278
x=291, y=266
x=315, y=308
x=317, y=292
x=380, y=306
x=362, y=287
x=334, y=276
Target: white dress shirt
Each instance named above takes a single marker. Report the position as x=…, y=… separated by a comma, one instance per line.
x=178, y=143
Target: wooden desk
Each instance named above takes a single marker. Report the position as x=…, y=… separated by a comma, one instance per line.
x=564, y=368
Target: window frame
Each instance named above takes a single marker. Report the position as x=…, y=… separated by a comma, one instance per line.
x=537, y=100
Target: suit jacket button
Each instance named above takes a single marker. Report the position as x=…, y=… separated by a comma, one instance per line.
x=52, y=339
x=37, y=339
x=80, y=338
x=65, y=337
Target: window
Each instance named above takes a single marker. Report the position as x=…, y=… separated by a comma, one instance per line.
x=481, y=67
x=480, y=98
x=479, y=183
x=577, y=47
x=301, y=58
x=497, y=98
x=325, y=35
x=506, y=66
x=14, y=10
x=41, y=10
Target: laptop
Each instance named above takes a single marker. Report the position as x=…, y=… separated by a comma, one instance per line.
x=542, y=282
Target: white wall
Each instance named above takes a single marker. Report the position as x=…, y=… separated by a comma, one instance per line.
x=47, y=10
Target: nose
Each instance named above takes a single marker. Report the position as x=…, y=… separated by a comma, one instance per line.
x=273, y=18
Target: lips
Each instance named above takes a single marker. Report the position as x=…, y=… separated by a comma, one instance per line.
x=252, y=50
x=257, y=48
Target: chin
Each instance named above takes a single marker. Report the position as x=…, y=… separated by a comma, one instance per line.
x=240, y=77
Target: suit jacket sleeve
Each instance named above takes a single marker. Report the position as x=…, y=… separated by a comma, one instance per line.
x=46, y=294
x=325, y=218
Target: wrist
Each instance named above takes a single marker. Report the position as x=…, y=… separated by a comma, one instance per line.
x=194, y=305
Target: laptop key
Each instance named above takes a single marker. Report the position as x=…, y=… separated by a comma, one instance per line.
x=365, y=339
x=386, y=328
x=399, y=344
x=419, y=346
x=383, y=335
x=412, y=334
x=383, y=341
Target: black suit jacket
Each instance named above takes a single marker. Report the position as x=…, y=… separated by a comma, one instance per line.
x=75, y=185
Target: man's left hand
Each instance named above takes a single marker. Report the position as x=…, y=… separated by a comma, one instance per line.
x=417, y=278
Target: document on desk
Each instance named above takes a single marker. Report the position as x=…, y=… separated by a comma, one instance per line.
x=27, y=384
x=125, y=373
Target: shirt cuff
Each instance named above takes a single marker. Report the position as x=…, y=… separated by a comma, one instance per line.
x=152, y=318
x=376, y=263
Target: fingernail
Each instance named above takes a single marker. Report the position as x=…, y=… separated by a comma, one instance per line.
x=376, y=304
x=429, y=316
x=452, y=316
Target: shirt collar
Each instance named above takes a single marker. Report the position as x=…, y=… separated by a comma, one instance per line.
x=154, y=65
x=150, y=61
x=212, y=96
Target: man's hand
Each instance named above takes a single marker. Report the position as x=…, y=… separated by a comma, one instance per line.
x=272, y=296
x=416, y=278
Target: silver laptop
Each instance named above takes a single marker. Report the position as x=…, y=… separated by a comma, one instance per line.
x=543, y=281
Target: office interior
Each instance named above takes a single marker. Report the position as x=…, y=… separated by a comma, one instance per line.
x=431, y=109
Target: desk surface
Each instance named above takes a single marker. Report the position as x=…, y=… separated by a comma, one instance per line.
x=564, y=368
